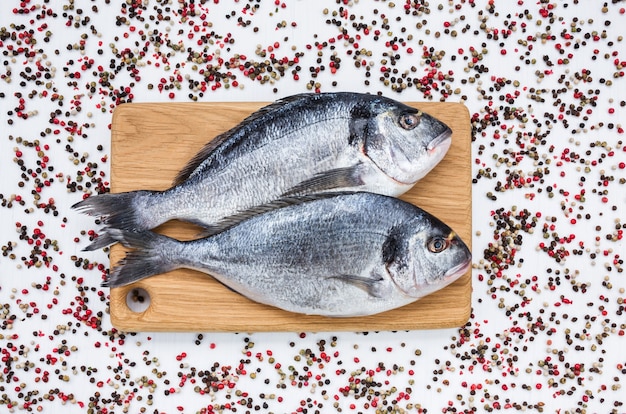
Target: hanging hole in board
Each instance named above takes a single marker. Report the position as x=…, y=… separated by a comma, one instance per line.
x=138, y=300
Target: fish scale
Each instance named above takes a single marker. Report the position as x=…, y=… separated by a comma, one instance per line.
x=303, y=144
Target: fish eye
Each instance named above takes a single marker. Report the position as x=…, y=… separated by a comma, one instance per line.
x=438, y=244
x=409, y=121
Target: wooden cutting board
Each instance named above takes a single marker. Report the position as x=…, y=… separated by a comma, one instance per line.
x=151, y=142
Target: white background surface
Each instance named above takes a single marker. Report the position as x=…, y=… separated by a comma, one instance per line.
x=544, y=335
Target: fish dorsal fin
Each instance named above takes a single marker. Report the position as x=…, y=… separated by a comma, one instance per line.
x=210, y=147
x=282, y=202
x=199, y=158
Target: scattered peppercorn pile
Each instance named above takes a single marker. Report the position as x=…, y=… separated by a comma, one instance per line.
x=544, y=83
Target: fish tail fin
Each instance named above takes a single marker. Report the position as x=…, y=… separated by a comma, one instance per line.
x=151, y=254
x=101, y=241
x=126, y=211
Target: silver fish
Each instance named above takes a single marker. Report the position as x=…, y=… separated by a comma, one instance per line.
x=334, y=255
x=303, y=144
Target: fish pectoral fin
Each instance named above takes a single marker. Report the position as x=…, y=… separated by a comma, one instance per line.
x=329, y=180
x=375, y=286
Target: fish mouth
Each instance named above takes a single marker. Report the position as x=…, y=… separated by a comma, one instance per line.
x=458, y=270
x=439, y=140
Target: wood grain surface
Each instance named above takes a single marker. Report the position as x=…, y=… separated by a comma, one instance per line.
x=151, y=142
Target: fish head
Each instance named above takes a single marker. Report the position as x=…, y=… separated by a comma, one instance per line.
x=401, y=141
x=422, y=258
